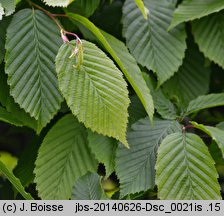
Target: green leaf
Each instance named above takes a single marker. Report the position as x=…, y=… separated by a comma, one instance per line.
x=190, y=10
x=215, y=133
x=57, y=3
x=163, y=105
x=15, y=181
x=204, y=102
x=135, y=166
x=3, y=26
x=63, y=157
x=83, y=7
x=104, y=150
x=142, y=8
x=88, y=187
x=9, y=118
x=25, y=166
x=96, y=92
x=1, y=11
x=133, y=73
x=23, y=118
x=192, y=78
x=185, y=170
x=208, y=33
x=125, y=61
x=7, y=7
x=136, y=110
x=150, y=42
x=30, y=64
x=220, y=125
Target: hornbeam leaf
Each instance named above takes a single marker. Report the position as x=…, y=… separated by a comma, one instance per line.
x=192, y=78
x=63, y=157
x=96, y=91
x=33, y=40
x=215, y=133
x=220, y=125
x=162, y=104
x=208, y=33
x=123, y=58
x=88, y=187
x=58, y=3
x=13, y=109
x=104, y=149
x=204, y=102
x=133, y=73
x=190, y=10
x=185, y=169
x=135, y=167
x=7, y=7
x=150, y=42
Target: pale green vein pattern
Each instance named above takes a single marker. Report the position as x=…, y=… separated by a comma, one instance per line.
x=63, y=157
x=135, y=167
x=208, y=33
x=194, y=9
x=205, y=101
x=96, y=93
x=33, y=40
x=192, y=78
x=125, y=61
x=185, y=170
x=150, y=42
x=215, y=133
x=88, y=187
x=58, y=3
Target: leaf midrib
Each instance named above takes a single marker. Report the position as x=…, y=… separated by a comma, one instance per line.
x=187, y=164
x=38, y=61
